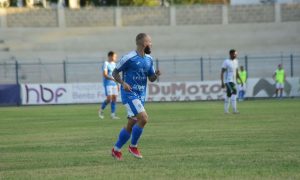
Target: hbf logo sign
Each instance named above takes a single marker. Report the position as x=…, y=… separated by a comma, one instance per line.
x=44, y=94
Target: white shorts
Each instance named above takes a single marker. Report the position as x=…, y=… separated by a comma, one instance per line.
x=111, y=90
x=279, y=85
x=134, y=107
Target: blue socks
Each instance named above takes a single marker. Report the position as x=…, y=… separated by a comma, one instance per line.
x=113, y=107
x=125, y=135
x=136, y=134
x=123, y=138
x=103, y=104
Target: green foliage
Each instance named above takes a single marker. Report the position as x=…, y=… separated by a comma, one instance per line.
x=145, y=2
x=187, y=2
x=181, y=141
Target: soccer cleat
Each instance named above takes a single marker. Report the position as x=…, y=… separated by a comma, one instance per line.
x=236, y=112
x=114, y=117
x=116, y=154
x=101, y=115
x=135, y=152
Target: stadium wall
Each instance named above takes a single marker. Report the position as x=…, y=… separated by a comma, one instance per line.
x=141, y=16
x=177, y=31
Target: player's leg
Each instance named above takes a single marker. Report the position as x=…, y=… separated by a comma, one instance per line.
x=243, y=91
x=233, y=97
x=124, y=136
x=108, y=93
x=227, y=99
x=138, y=109
x=277, y=89
x=281, y=90
x=240, y=92
x=113, y=103
x=137, y=130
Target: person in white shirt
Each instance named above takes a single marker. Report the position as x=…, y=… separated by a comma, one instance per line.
x=229, y=74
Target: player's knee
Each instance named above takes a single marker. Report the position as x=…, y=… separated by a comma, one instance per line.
x=130, y=124
x=143, y=118
x=114, y=99
x=108, y=100
x=129, y=128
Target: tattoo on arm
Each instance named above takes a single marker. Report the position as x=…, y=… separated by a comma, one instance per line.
x=117, y=76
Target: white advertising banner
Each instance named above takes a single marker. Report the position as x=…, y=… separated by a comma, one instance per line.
x=266, y=87
x=46, y=93
x=62, y=93
x=164, y=91
x=87, y=93
x=185, y=91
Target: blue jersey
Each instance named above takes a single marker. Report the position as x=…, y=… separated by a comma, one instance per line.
x=109, y=67
x=135, y=70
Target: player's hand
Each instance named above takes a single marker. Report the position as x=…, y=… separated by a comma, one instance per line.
x=223, y=85
x=157, y=73
x=126, y=86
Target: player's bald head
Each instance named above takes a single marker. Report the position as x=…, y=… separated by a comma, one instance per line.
x=140, y=38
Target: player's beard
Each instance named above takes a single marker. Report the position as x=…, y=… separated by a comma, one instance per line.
x=147, y=50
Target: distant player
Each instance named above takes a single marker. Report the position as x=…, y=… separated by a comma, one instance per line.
x=136, y=67
x=229, y=73
x=242, y=84
x=279, y=76
x=110, y=86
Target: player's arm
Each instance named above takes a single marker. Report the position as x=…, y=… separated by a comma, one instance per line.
x=274, y=75
x=222, y=77
x=118, y=79
x=105, y=75
x=239, y=77
x=154, y=76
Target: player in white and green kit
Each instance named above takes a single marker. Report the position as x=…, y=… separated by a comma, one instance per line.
x=279, y=76
x=229, y=74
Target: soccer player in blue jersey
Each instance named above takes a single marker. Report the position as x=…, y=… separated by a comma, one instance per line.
x=110, y=86
x=136, y=67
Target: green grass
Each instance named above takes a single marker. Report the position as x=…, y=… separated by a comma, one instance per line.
x=181, y=141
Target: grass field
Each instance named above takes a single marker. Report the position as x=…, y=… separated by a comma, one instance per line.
x=181, y=141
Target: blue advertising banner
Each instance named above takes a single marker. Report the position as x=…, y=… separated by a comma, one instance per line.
x=10, y=94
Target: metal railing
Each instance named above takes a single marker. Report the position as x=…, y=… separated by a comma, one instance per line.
x=173, y=69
